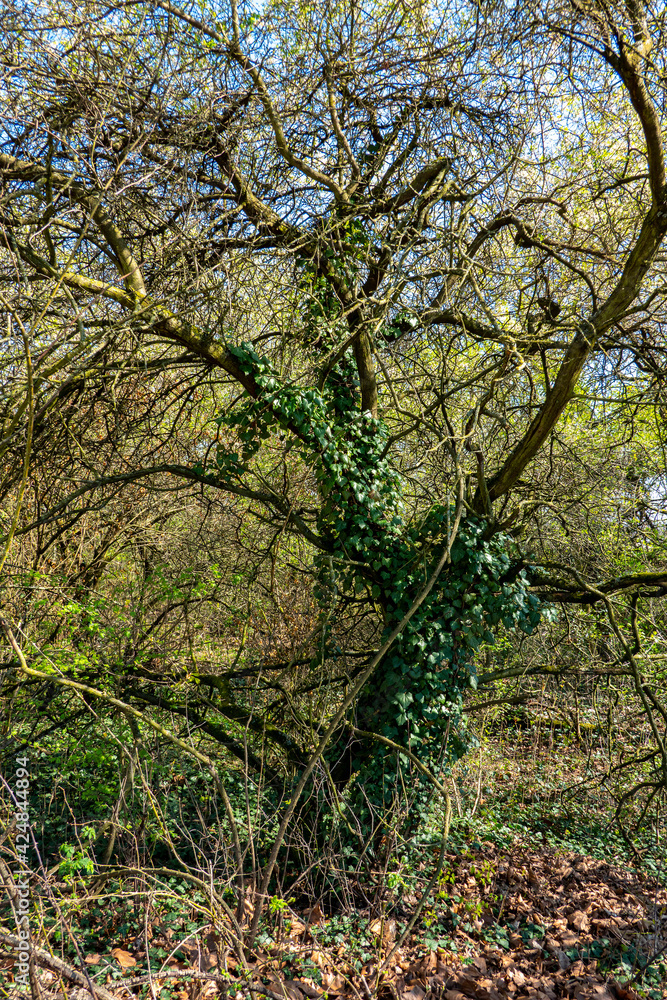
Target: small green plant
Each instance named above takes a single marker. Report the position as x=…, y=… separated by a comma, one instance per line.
x=483, y=872
x=76, y=865
x=277, y=905
x=433, y=938
x=396, y=883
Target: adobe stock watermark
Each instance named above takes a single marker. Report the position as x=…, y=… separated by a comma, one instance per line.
x=19, y=786
x=21, y=790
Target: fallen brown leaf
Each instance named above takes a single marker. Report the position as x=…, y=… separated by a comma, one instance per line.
x=579, y=921
x=333, y=982
x=124, y=959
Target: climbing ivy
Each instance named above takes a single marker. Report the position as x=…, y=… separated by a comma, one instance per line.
x=370, y=548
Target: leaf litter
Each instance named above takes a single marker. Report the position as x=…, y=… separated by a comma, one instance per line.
x=520, y=923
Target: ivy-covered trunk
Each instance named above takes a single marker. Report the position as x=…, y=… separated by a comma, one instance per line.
x=413, y=700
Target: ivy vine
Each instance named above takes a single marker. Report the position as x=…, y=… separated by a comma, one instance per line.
x=415, y=699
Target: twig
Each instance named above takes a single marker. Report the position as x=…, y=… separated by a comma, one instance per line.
x=177, y=974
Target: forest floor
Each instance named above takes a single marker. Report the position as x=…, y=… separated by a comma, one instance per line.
x=522, y=922
x=546, y=924
x=537, y=896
